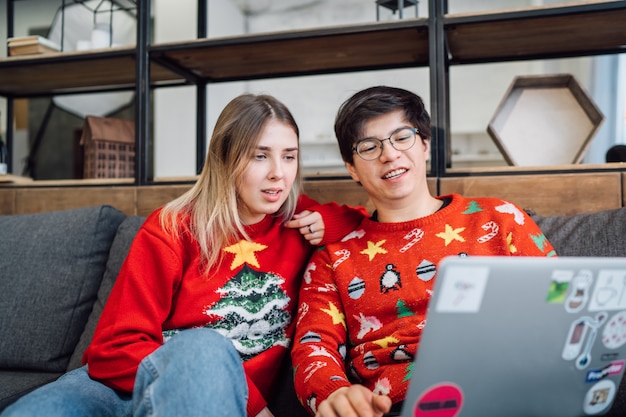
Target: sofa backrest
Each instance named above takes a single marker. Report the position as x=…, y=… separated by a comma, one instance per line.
x=51, y=266
x=121, y=244
x=601, y=233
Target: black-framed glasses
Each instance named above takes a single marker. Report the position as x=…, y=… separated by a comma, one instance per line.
x=371, y=148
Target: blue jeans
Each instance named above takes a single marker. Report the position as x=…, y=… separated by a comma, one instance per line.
x=196, y=373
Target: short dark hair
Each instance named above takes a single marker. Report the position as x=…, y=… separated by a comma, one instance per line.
x=372, y=102
x=616, y=153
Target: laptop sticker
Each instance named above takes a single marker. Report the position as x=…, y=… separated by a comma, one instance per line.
x=462, y=289
x=614, y=333
x=613, y=368
x=609, y=356
x=599, y=397
x=580, y=338
x=559, y=285
x=441, y=400
x=578, y=296
x=610, y=291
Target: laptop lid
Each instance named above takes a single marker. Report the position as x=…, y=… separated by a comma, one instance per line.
x=521, y=337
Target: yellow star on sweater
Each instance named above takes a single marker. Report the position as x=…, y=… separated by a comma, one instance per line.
x=374, y=249
x=244, y=253
x=451, y=234
x=337, y=316
x=384, y=342
x=509, y=241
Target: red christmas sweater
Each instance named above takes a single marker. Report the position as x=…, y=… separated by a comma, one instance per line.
x=366, y=296
x=160, y=291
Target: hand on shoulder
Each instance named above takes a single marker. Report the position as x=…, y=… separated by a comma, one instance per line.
x=310, y=224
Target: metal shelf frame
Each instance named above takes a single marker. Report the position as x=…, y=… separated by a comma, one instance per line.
x=437, y=41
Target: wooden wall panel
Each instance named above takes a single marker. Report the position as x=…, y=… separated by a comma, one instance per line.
x=341, y=191
x=150, y=198
x=623, y=189
x=554, y=194
x=346, y=191
x=7, y=201
x=36, y=200
x=546, y=194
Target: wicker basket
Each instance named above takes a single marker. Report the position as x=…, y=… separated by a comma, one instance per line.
x=109, y=147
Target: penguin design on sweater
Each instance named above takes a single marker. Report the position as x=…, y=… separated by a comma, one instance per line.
x=390, y=279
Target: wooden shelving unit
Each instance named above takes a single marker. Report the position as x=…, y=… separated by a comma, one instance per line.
x=588, y=28
x=70, y=72
x=318, y=51
x=577, y=29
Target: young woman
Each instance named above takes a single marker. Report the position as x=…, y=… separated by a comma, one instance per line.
x=202, y=312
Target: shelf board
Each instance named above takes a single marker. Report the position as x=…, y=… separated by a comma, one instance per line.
x=65, y=72
x=588, y=28
x=348, y=48
x=533, y=170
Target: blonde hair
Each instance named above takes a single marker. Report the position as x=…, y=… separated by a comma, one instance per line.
x=212, y=203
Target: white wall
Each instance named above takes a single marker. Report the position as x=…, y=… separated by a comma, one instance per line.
x=175, y=108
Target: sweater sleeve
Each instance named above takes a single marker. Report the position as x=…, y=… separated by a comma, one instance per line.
x=319, y=350
x=256, y=402
x=339, y=220
x=130, y=326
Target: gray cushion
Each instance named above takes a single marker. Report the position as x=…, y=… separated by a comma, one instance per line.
x=50, y=271
x=124, y=237
x=601, y=233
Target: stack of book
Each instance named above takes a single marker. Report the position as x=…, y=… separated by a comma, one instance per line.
x=29, y=45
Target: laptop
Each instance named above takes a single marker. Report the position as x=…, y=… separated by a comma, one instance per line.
x=521, y=337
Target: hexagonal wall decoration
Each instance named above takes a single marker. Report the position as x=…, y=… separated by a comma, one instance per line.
x=544, y=120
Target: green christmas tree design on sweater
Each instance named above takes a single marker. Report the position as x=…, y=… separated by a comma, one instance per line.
x=252, y=312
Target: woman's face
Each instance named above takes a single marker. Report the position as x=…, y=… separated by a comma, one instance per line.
x=270, y=173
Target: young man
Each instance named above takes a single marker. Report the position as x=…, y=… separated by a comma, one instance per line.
x=363, y=301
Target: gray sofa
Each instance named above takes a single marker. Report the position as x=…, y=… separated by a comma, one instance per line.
x=57, y=269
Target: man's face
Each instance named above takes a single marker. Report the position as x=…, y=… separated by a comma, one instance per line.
x=395, y=178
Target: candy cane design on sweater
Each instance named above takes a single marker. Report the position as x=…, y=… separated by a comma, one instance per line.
x=312, y=368
x=492, y=228
x=343, y=255
x=356, y=234
x=416, y=235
